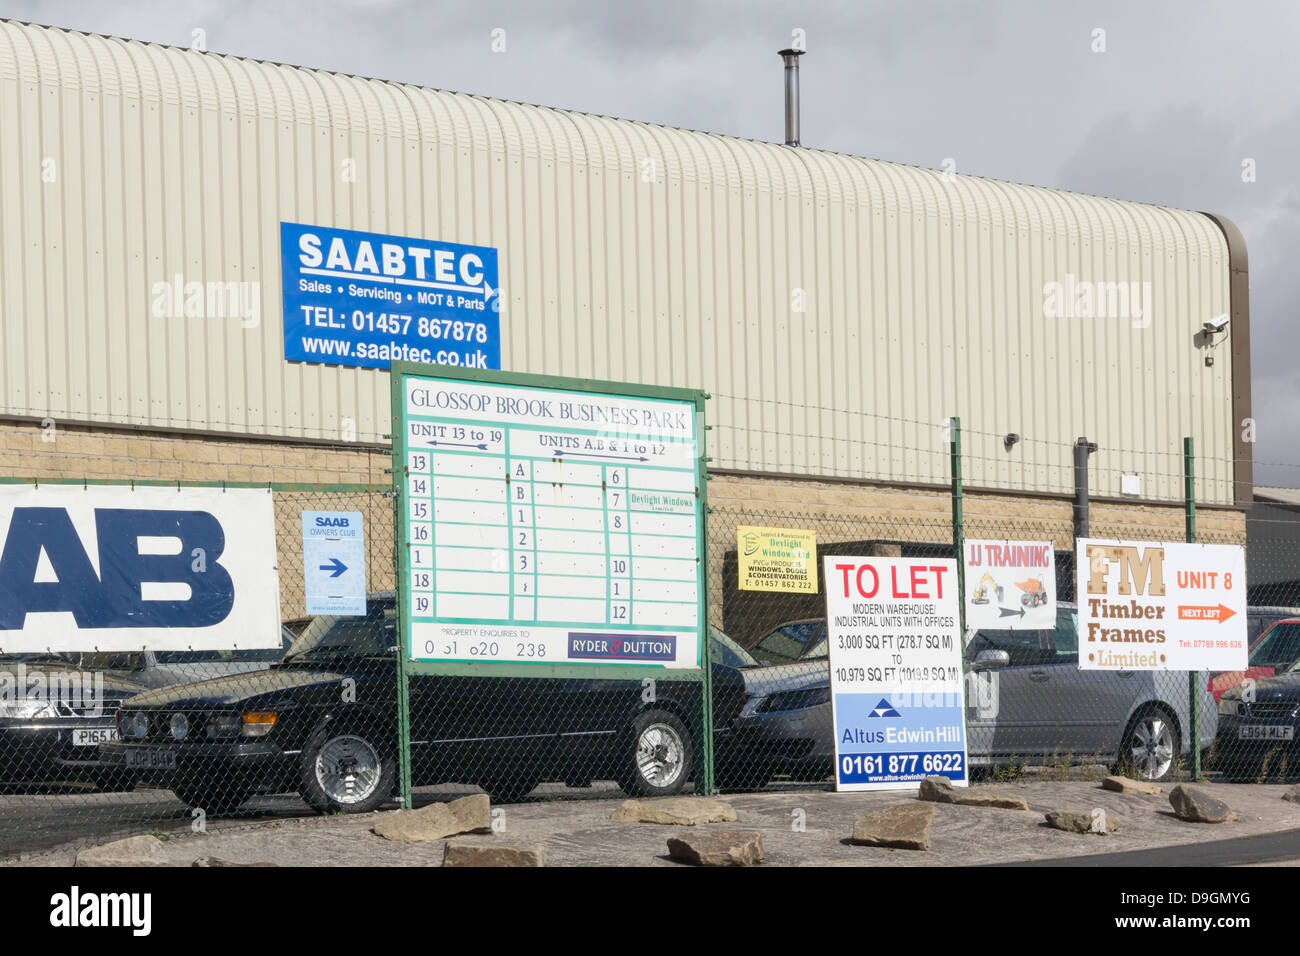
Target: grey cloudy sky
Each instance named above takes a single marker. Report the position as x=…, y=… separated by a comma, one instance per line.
x=1184, y=92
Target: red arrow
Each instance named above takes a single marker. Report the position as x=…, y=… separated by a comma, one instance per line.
x=1202, y=613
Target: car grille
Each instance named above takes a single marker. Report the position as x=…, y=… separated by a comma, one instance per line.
x=1270, y=709
x=89, y=709
x=160, y=727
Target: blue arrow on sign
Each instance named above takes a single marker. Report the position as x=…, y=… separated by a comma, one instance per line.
x=335, y=567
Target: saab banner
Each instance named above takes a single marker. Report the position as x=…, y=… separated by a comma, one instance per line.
x=114, y=568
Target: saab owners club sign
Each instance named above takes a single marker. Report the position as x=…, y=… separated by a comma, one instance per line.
x=896, y=671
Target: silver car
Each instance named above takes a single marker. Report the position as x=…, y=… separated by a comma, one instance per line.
x=1028, y=702
x=784, y=726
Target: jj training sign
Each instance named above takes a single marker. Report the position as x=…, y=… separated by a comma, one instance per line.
x=116, y=569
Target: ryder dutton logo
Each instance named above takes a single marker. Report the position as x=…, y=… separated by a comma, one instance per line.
x=1141, y=575
x=622, y=647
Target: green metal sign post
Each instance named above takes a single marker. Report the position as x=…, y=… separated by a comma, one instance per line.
x=549, y=527
x=1193, y=677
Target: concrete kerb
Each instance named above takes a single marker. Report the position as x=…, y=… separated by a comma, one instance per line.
x=802, y=827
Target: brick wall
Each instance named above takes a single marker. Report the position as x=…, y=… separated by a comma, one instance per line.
x=80, y=452
x=28, y=451
x=916, y=510
x=870, y=519
x=853, y=517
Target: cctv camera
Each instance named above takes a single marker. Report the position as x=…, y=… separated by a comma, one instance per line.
x=1217, y=324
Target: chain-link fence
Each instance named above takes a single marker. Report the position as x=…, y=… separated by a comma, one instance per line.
x=1031, y=710
x=96, y=743
x=160, y=740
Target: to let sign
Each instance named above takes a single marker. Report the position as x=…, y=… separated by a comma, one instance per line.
x=896, y=671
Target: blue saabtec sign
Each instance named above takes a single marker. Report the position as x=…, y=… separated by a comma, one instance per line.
x=368, y=299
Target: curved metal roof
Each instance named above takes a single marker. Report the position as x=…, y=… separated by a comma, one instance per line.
x=917, y=277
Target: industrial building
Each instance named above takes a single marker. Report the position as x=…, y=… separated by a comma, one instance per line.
x=838, y=309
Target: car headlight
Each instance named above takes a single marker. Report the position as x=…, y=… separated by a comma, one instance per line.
x=1229, y=706
x=133, y=724
x=795, y=699
x=258, y=723
x=180, y=726
x=224, y=725
x=27, y=709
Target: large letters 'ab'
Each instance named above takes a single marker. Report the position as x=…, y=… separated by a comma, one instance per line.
x=115, y=596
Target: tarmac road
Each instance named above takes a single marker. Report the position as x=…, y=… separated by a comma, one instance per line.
x=1267, y=848
x=33, y=822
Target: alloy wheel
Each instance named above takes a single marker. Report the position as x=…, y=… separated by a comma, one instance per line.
x=1152, y=748
x=348, y=769
x=660, y=755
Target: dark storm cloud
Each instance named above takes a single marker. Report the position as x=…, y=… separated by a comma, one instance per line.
x=1182, y=94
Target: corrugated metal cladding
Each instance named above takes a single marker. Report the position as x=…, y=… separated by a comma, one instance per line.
x=628, y=252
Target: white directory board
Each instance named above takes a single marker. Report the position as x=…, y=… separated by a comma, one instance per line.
x=1161, y=606
x=550, y=525
x=896, y=671
x=1010, y=585
x=114, y=568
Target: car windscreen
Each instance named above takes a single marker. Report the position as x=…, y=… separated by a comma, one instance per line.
x=1279, y=648
x=42, y=657
x=788, y=642
x=329, y=636
x=819, y=650
x=268, y=655
x=723, y=650
x=1022, y=647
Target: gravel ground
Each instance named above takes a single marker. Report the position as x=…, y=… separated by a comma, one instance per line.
x=580, y=833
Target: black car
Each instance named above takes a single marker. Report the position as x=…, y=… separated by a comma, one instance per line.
x=57, y=711
x=1258, y=729
x=323, y=722
x=793, y=641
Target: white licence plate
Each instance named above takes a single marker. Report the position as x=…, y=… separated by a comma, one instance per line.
x=151, y=758
x=93, y=736
x=1265, y=732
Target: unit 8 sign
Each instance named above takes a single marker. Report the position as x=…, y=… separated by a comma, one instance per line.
x=549, y=525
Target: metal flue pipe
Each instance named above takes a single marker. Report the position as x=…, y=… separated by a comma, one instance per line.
x=791, y=58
